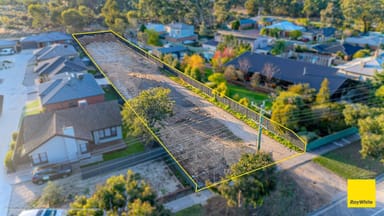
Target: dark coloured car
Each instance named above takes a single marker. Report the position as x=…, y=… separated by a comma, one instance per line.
x=50, y=172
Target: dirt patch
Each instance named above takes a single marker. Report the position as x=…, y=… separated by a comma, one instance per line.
x=156, y=173
x=198, y=134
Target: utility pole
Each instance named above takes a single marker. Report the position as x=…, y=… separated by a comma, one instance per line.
x=262, y=110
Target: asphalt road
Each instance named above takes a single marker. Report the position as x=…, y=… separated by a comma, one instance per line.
x=339, y=207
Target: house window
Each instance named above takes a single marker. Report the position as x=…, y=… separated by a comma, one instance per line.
x=107, y=133
x=83, y=147
x=40, y=158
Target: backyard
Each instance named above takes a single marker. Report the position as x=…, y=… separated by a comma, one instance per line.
x=254, y=96
x=347, y=163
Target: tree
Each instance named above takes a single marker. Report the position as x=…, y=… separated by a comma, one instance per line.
x=278, y=47
x=113, y=17
x=203, y=29
x=119, y=195
x=221, y=89
x=221, y=10
x=251, y=6
x=194, y=61
x=323, y=95
x=195, y=73
x=72, y=19
x=363, y=12
x=230, y=73
x=244, y=101
x=286, y=110
x=332, y=15
x=87, y=14
x=153, y=37
x=362, y=53
x=39, y=14
x=380, y=93
x=138, y=207
x=216, y=78
x=235, y=25
x=255, y=79
x=269, y=71
x=295, y=34
x=371, y=130
x=52, y=195
x=151, y=106
x=250, y=190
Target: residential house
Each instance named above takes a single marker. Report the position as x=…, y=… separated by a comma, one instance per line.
x=373, y=40
x=45, y=39
x=322, y=34
x=47, y=69
x=363, y=68
x=333, y=49
x=244, y=24
x=176, y=51
x=288, y=72
x=210, y=45
x=180, y=32
x=55, y=50
x=9, y=44
x=70, y=90
x=286, y=27
x=262, y=45
x=158, y=27
x=243, y=36
x=70, y=135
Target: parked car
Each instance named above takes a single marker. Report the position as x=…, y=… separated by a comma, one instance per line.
x=7, y=51
x=42, y=212
x=50, y=172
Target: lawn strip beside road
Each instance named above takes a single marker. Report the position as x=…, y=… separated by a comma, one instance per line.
x=348, y=163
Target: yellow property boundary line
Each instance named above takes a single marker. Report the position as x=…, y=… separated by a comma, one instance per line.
x=151, y=131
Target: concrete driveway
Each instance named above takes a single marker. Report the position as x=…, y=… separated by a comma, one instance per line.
x=15, y=96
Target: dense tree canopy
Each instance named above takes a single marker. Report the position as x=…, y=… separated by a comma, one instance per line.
x=249, y=190
x=151, y=106
x=119, y=195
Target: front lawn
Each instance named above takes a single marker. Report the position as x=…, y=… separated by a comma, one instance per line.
x=133, y=147
x=110, y=93
x=195, y=210
x=32, y=108
x=347, y=163
x=257, y=97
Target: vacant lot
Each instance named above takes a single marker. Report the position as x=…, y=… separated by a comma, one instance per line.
x=204, y=139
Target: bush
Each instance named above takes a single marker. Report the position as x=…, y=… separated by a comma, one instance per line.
x=52, y=195
x=12, y=145
x=14, y=136
x=8, y=162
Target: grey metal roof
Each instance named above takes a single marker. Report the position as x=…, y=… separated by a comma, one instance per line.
x=55, y=50
x=292, y=71
x=69, y=87
x=47, y=37
x=37, y=129
x=7, y=43
x=58, y=65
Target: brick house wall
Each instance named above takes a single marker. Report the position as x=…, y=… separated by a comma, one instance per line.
x=73, y=103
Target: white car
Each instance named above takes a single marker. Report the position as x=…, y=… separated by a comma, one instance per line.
x=39, y=212
x=7, y=51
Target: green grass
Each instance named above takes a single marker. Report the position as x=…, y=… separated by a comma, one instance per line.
x=110, y=94
x=347, y=163
x=32, y=108
x=195, y=210
x=257, y=97
x=133, y=148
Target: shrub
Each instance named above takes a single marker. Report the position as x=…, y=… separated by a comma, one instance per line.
x=8, y=162
x=52, y=195
x=14, y=136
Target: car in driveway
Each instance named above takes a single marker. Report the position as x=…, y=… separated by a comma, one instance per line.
x=42, y=174
x=42, y=212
